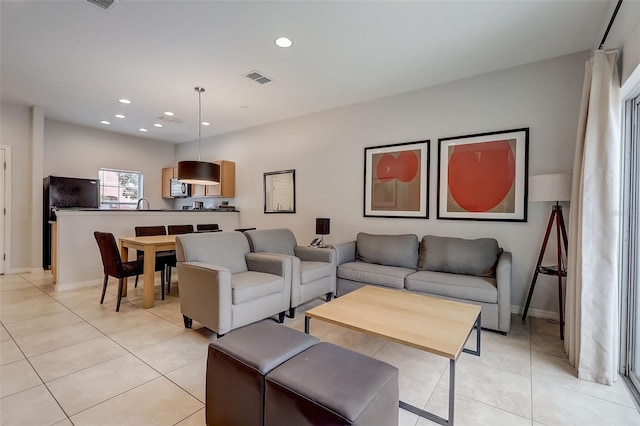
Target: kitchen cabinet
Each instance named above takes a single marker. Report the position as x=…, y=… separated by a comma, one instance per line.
x=227, y=186
x=168, y=173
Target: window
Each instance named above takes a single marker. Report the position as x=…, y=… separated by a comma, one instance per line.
x=119, y=189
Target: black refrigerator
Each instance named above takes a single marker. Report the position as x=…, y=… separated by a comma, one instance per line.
x=64, y=192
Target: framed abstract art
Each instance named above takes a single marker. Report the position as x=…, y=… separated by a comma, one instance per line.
x=396, y=180
x=484, y=176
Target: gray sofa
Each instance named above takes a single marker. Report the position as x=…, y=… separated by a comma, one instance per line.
x=471, y=271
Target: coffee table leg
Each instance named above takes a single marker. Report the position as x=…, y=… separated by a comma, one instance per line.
x=452, y=398
x=306, y=324
x=478, y=329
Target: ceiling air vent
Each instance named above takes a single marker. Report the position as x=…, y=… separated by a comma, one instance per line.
x=103, y=4
x=256, y=76
x=173, y=120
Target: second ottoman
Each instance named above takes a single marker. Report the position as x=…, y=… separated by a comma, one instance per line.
x=237, y=364
x=330, y=385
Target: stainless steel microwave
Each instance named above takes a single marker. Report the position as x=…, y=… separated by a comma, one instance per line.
x=179, y=189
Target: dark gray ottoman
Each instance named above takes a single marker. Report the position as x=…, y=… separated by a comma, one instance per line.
x=237, y=364
x=330, y=385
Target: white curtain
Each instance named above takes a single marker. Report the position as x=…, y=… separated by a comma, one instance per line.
x=591, y=327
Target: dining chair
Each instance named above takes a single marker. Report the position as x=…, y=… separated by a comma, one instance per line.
x=180, y=229
x=176, y=230
x=113, y=265
x=163, y=258
x=208, y=227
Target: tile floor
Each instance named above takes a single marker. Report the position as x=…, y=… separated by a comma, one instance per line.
x=67, y=360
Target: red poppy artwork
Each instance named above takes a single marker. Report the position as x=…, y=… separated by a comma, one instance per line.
x=396, y=182
x=483, y=177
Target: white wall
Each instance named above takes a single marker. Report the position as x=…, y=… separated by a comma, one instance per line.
x=77, y=151
x=327, y=148
x=15, y=131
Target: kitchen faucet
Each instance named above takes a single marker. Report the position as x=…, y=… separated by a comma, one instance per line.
x=138, y=205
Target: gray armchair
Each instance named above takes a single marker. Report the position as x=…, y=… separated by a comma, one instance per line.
x=224, y=286
x=313, y=269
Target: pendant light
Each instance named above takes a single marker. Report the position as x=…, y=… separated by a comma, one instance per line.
x=199, y=172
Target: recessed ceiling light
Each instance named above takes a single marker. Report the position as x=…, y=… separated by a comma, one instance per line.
x=169, y=113
x=158, y=125
x=142, y=129
x=119, y=116
x=283, y=42
x=105, y=122
x=124, y=101
x=206, y=123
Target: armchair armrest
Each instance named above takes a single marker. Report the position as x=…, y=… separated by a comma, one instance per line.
x=313, y=254
x=205, y=294
x=503, y=281
x=345, y=252
x=269, y=263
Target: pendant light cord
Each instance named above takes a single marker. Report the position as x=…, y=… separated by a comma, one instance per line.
x=199, y=119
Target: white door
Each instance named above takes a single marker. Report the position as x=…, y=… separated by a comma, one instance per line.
x=2, y=211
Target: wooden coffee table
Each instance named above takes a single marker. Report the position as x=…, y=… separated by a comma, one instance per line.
x=434, y=325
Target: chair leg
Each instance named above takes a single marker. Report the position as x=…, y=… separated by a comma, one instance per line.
x=220, y=335
x=168, y=279
x=281, y=317
x=104, y=288
x=292, y=312
x=162, y=283
x=188, y=322
x=136, y=286
x=120, y=285
x=329, y=296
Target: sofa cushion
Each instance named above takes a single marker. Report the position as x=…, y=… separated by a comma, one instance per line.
x=370, y=273
x=459, y=256
x=311, y=271
x=390, y=250
x=466, y=287
x=251, y=285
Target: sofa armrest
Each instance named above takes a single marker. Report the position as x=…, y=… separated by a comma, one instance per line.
x=205, y=294
x=345, y=252
x=503, y=280
x=269, y=263
x=314, y=254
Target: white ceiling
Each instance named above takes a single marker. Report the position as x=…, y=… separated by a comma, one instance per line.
x=75, y=60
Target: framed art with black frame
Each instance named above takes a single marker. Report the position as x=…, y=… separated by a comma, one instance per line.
x=484, y=176
x=396, y=180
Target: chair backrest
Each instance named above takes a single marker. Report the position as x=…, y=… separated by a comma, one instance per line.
x=148, y=231
x=226, y=249
x=109, y=252
x=180, y=229
x=280, y=241
x=207, y=227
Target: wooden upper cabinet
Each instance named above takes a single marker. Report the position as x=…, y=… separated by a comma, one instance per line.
x=227, y=186
x=168, y=173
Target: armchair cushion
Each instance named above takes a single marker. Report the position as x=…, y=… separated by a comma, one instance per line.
x=390, y=250
x=250, y=285
x=228, y=250
x=459, y=256
x=280, y=241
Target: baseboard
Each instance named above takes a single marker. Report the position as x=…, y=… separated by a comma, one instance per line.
x=537, y=313
x=18, y=271
x=77, y=285
x=36, y=270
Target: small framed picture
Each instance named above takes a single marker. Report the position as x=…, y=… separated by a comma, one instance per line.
x=484, y=176
x=396, y=180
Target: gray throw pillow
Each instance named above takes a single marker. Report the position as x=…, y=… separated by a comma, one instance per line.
x=459, y=256
x=389, y=250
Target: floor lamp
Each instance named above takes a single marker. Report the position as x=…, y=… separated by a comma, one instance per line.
x=551, y=188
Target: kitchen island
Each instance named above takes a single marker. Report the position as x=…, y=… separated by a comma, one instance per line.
x=76, y=259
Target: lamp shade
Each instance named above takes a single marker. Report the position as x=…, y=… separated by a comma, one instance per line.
x=199, y=172
x=551, y=187
x=322, y=226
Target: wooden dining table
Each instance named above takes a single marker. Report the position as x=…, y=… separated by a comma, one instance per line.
x=150, y=246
